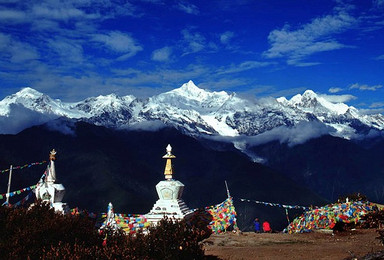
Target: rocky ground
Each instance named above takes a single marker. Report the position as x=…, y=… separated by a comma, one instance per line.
x=317, y=245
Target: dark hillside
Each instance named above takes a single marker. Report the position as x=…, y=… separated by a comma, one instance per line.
x=99, y=165
x=331, y=166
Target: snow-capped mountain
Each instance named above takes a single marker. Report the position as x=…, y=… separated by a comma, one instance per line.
x=199, y=112
x=110, y=110
x=39, y=102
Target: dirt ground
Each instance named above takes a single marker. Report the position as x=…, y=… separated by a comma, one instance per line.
x=317, y=245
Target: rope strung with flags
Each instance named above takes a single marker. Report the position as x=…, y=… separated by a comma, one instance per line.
x=13, y=193
x=276, y=204
x=20, y=202
x=28, y=165
x=26, y=198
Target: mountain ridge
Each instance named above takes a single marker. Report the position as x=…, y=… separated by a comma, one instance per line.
x=198, y=112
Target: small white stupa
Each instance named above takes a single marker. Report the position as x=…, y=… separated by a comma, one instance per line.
x=169, y=191
x=110, y=221
x=49, y=191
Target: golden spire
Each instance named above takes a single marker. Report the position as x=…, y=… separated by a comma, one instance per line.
x=52, y=155
x=168, y=166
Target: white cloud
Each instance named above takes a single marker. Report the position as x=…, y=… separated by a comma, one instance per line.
x=48, y=11
x=21, y=118
x=295, y=135
x=246, y=65
x=67, y=50
x=5, y=41
x=316, y=36
x=372, y=111
x=378, y=3
x=288, y=92
x=43, y=25
x=298, y=134
x=335, y=90
x=80, y=10
x=377, y=105
x=22, y=52
x=162, y=54
x=365, y=87
x=299, y=63
x=12, y=16
x=381, y=57
x=148, y=126
x=195, y=41
x=188, y=8
x=119, y=42
x=125, y=56
x=16, y=51
x=56, y=12
x=338, y=98
x=223, y=83
x=63, y=126
x=226, y=37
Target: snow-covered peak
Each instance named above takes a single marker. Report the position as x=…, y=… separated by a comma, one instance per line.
x=189, y=96
x=310, y=94
x=309, y=98
x=39, y=102
x=309, y=101
x=110, y=100
x=28, y=97
x=100, y=104
x=282, y=100
x=28, y=93
x=190, y=90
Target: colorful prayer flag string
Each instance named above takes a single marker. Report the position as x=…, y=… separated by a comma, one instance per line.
x=21, y=202
x=276, y=204
x=30, y=188
x=23, y=166
x=129, y=223
x=327, y=216
x=13, y=193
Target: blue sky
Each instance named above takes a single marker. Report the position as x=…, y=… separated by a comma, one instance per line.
x=73, y=49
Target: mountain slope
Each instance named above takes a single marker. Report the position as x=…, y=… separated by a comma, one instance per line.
x=331, y=166
x=98, y=165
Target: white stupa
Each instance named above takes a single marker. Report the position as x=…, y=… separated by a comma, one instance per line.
x=169, y=191
x=110, y=221
x=49, y=191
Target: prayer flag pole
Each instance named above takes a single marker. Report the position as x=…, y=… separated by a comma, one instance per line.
x=226, y=186
x=9, y=184
x=286, y=213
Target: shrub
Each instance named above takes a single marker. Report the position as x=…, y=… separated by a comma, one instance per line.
x=26, y=232
x=373, y=219
x=40, y=233
x=357, y=196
